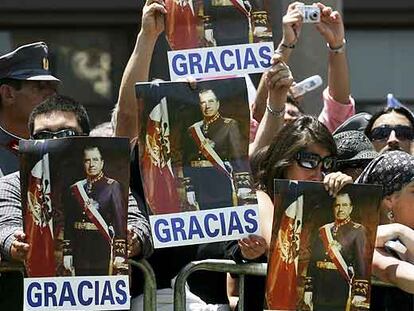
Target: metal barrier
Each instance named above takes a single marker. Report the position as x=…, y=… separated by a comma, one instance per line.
x=229, y=266
x=150, y=285
x=215, y=265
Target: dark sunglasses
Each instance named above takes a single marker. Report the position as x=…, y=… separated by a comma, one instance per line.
x=403, y=132
x=311, y=161
x=59, y=134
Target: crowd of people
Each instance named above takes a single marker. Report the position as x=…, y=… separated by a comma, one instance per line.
x=338, y=148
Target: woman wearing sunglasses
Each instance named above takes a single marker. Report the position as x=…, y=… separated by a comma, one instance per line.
x=303, y=150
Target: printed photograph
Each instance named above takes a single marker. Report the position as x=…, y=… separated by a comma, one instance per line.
x=195, y=145
x=75, y=196
x=322, y=247
x=206, y=23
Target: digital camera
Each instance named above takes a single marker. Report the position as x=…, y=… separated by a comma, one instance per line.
x=310, y=13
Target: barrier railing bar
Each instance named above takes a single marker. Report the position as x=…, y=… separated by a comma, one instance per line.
x=215, y=265
x=150, y=285
x=241, y=293
x=219, y=265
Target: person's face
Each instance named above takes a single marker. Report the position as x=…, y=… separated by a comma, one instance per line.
x=291, y=113
x=209, y=104
x=297, y=172
x=393, y=141
x=93, y=162
x=342, y=207
x=56, y=121
x=32, y=94
x=403, y=206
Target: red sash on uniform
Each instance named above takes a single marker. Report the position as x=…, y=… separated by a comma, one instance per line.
x=333, y=252
x=94, y=216
x=239, y=5
x=206, y=149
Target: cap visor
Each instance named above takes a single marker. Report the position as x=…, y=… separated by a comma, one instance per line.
x=43, y=78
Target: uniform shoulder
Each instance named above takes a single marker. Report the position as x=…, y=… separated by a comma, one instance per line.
x=358, y=226
x=110, y=181
x=229, y=121
x=196, y=124
x=79, y=182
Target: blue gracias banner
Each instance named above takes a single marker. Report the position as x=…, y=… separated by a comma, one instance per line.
x=77, y=293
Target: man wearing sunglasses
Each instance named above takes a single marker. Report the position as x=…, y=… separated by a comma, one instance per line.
x=391, y=129
x=58, y=116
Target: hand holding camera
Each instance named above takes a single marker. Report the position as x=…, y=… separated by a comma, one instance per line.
x=328, y=22
x=310, y=13
x=331, y=26
x=292, y=24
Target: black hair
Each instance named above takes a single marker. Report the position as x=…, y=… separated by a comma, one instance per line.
x=294, y=102
x=293, y=137
x=17, y=84
x=91, y=147
x=64, y=104
x=400, y=110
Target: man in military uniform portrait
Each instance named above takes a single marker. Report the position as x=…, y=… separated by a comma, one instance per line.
x=228, y=22
x=338, y=272
x=216, y=160
x=95, y=222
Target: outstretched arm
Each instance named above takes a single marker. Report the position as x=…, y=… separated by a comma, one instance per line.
x=332, y=30
x=292, y=25
x=278, y=80
x=391, y=269
x=137, y=68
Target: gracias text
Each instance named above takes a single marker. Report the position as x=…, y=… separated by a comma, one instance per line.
x=214, y=225
x=220, y=61
x=80, y=293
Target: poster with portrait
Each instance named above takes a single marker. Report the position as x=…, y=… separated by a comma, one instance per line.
x=212, y=38
x=322, y=247
x=194, y=160
x=74, y=195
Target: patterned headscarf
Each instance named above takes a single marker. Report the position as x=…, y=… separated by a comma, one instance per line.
x=392, y=170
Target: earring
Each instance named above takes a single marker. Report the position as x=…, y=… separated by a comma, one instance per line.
x=390, y=215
